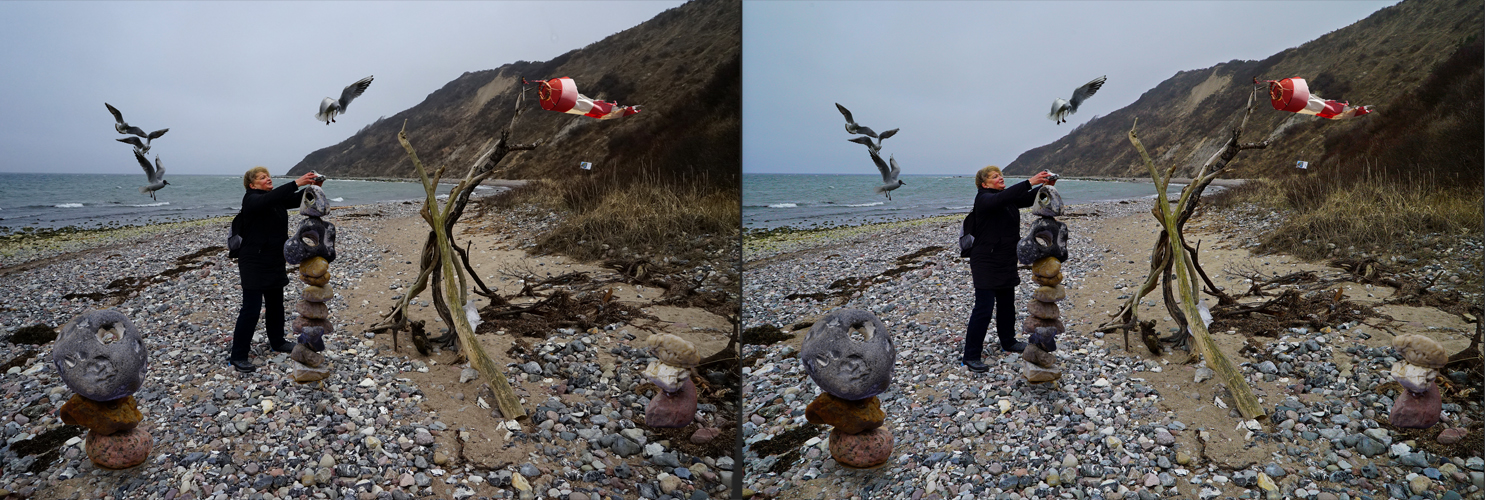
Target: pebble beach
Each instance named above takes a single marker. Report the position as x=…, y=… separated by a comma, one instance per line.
x=1120, y=424
x=386, y=425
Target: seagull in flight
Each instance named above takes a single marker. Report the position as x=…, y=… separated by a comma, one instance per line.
x=331, y=107
x=889, y=175
x=1063, y=107
x=122, y=126
x=143, y=146
x=156, y=174
x=851, y=125
x=877, y=146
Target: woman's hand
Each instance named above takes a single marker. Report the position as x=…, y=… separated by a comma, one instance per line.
x=1040, y=177
x=305, y=179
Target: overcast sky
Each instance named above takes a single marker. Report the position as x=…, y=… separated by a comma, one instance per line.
x=970, y=83
x=238, y=83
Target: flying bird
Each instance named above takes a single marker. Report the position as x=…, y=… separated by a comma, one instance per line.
x=889, y=175
x=331, y=107
x=1063, y=107
x=144, y=146
x=875, y=147
x=156, y=174
x=122, y=126
x=851, y=125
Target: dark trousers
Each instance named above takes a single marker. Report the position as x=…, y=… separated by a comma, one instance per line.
x=247, y=320
x=979, y=320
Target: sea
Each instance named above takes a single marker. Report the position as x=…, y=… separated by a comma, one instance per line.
x=821, y=200
x=93, y=201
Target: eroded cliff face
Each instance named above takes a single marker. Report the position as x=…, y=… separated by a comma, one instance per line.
x=683, y=67
x=1186, y=118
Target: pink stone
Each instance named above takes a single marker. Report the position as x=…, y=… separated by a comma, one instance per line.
x=119, y=451
x=1453, y=435
x=863, y=451
x=705, y=435
x=676, y=409
x=1417, y=411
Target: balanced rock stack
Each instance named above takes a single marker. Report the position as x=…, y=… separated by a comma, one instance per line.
x=313, y=249
x=675, y=405
x=1044, y=248
x=1420, y=403
x=850, y=355
x=102, y=358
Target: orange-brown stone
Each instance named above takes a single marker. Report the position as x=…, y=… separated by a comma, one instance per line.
x=1031, y=323
x=314, y=280
x=1046, y=267
x=1052, y=281
x=850, y=417
x=102, y=417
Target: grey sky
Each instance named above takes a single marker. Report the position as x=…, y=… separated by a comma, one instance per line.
x=970, y=83
x=238, y=83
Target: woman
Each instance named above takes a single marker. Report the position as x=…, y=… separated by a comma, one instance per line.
x=260, y=266
x=992, y=261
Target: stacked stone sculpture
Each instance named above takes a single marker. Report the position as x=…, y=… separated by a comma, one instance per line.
x=1420, y=403
x=1044, y=248
x=101, y=357
x=313, y=249
x=675, y=405
x=852, y=373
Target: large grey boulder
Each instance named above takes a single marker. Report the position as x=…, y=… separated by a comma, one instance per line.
x=314, y=203
x=843, y=365
x=101, y=356
x=1047, y=238
x=1048, y=202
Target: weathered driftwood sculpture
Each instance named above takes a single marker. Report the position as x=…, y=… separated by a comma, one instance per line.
x=1172, y=252
x=449, y=281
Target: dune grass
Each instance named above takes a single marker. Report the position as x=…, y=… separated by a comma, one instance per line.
x=643, y=215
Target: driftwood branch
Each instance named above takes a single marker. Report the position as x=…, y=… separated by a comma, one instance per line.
x=1171, y=253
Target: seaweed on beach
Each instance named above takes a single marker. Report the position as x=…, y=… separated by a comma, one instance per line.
x=764, y=335
x=121, y=289
x=845, y=287
x=47, y=445
x=36, y=334
x=558, y=310
x=787, y=445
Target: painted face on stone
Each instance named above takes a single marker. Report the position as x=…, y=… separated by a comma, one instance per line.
x=100, y=356
x=844, y=365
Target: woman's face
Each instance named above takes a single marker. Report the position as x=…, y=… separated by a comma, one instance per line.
x=994, y=181
x=263, y=181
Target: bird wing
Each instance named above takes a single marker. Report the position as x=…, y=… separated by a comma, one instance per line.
x=862, y=140
x=882, y=166
x=845, y=112
x=353, y=91
x=149, y=170
x=895, y=169
x=156, y=134
x=136, y=131
x=132, y=140
x=159, y=171
x=887, y=134
x=865, y=130
x=117, y=116
x=1086, y=91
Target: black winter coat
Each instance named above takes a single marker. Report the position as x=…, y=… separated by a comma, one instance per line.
x=997, y=228
x=265, y=228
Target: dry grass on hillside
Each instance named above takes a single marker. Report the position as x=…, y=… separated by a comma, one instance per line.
x=680, y=219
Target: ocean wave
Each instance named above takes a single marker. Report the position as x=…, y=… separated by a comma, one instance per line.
x=68, y=205
x=337, y=200
x=784, y=205
x=866, y=204
x=157, y=204
x=966, y=207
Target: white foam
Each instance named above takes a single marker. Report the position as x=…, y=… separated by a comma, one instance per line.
x=337, y=200
x=158, y=204
x=68, y=205
x=866, y=204
x=783, y=205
